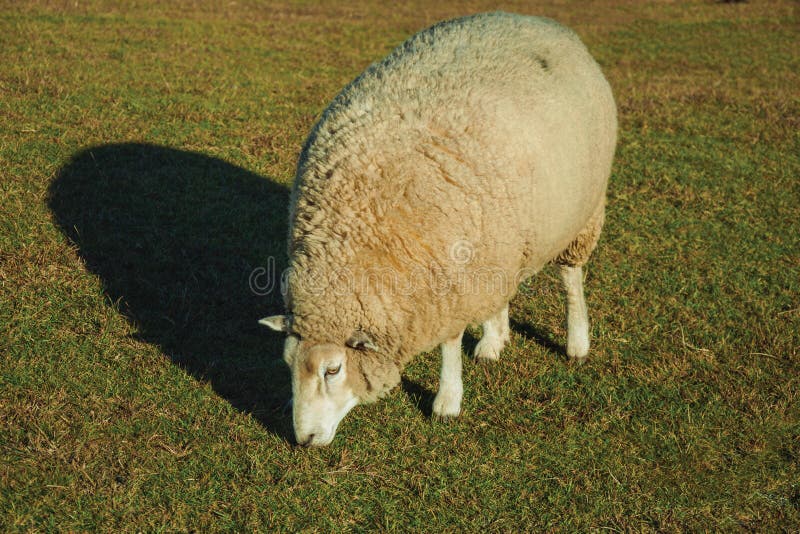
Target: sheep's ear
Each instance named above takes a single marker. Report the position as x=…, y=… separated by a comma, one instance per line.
x=361, y=341
x=280, y=323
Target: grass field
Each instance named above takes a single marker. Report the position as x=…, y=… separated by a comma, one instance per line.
x=146, y=150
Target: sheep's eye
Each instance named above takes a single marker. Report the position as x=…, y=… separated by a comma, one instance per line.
x=330, y=371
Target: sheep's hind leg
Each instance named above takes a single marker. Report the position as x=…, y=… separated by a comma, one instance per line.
x=447, y=403
x=496, y=334
x=570, y=261
x=577, y=314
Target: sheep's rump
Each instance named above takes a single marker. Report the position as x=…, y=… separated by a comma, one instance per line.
x=472, y=155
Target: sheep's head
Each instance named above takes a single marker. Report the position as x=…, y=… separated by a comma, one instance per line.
x=328, y=380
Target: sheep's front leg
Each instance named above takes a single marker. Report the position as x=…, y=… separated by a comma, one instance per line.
x=447, y=403
x=577, y=314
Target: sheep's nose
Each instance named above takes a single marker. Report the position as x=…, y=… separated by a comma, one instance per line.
x=306, y=442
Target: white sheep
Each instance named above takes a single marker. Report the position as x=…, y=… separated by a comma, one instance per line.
x=478, y=151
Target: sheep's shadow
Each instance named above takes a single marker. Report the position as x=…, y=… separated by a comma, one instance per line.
x=559, y=351
x=419, y=395
x=191, y=248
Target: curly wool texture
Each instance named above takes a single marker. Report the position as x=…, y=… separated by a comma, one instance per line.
x=375, y=374
x=493, y=133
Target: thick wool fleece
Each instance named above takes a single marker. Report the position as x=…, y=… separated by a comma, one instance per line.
x=435, y=182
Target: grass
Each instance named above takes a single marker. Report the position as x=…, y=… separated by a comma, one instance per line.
x=146, y=150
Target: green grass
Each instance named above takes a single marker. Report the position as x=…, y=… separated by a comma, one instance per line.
x=146, y=153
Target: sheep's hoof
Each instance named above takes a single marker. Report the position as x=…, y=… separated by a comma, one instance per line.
x=446, y=405
x=578, y=347
x=488, y=349
x=578, y=360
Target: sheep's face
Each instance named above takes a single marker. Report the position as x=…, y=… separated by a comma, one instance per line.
x=322, y=392
x=325, y=381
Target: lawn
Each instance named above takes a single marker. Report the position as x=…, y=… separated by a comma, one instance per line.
x=146, y=154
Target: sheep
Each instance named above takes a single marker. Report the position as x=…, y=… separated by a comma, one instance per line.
x=477, y=152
